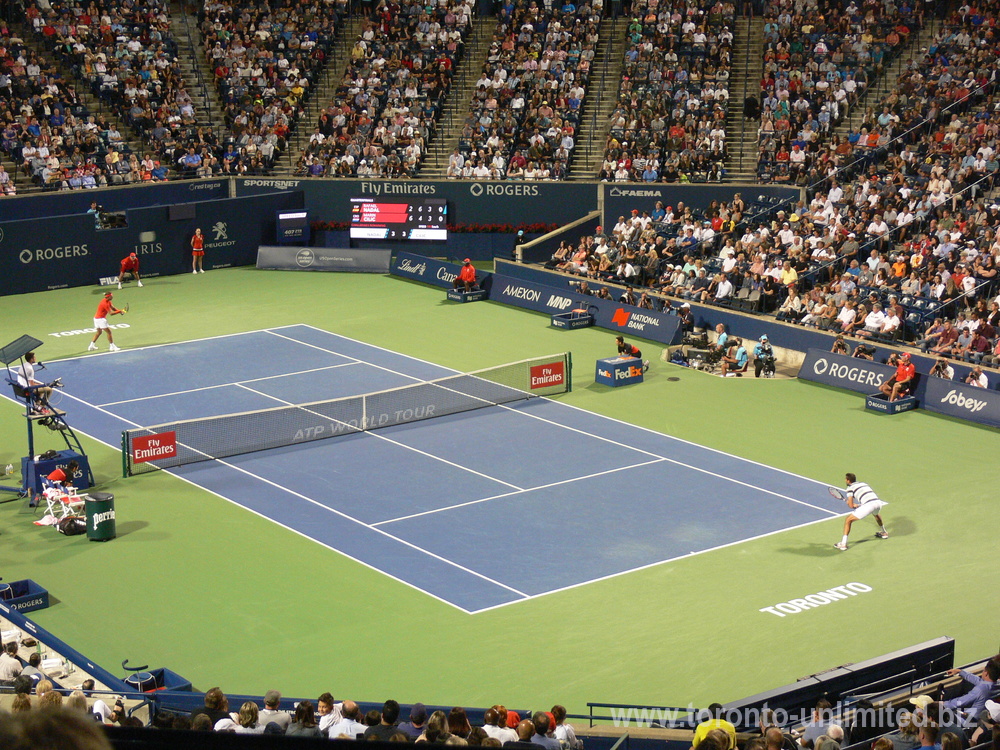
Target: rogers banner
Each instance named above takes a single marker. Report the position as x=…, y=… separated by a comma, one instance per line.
x=963, y=401
x=647, y=324
x=852, y=373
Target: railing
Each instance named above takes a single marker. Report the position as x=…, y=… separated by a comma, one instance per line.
x=196, y=60
x=684, y=717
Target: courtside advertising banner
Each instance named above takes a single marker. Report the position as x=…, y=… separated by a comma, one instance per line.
x=292, y=258
x=852, y=373
x=962, y=401
x=154, y=447
x=433, y=271
x=624, y=319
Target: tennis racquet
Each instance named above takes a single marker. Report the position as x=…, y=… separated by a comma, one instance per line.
x=838, y=493
x=125, y=309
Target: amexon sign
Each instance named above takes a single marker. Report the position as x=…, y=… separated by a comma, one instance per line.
x=615, y=316
x=852, y=373
x=432, y=271
x=963, y=401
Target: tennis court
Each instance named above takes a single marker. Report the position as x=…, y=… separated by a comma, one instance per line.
x=478, y=509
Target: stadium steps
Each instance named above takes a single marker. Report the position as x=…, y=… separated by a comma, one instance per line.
x=456, y=106
x=600, y=100
x=95, y=105
x=744, y=81
x=199, y=80
x=886, y=82
x=324, y=93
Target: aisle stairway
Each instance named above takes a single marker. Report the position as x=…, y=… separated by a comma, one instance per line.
x=456, y=108
x=744, y=80
x=325, y=91
x=600, y=101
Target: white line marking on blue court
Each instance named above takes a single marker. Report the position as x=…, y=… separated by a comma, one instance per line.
x=380, y=436
x=235, y=382
x=520, y=492
x=320, y=505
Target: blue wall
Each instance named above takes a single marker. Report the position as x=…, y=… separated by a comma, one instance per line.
x=66, y=251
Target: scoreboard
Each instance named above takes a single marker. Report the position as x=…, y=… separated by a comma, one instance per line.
x=422, y=219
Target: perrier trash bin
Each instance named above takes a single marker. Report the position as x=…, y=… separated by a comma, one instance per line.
x=100, y=508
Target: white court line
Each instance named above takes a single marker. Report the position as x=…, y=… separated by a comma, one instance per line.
x=447, y=369
x=318, y=504
x=355, y=359
x=520, y=492
x=579, y=408
x=127, y=349
x=599, y=437
x=227, y=385
x=653, y=564
x=376, y=434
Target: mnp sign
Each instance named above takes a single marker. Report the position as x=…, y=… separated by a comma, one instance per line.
x=962, y=401
x=852, y=373
x=615, y=316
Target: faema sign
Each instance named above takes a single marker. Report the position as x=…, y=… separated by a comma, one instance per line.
x=154, y=447
x=656, y=326
x=548, y=376
x=962, y=401
x=432, y=271
x=852, y=373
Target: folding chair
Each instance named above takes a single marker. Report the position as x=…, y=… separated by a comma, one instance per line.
x=61, y=501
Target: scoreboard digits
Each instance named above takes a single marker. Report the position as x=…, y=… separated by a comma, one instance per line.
x=424, y=219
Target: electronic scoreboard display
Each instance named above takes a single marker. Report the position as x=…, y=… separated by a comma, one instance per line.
x=420, y=219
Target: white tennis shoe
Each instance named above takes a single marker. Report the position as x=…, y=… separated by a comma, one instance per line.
x=841, y=546
x=140, y=285
x=92, y=347
x=882, y=534
x=113, y=348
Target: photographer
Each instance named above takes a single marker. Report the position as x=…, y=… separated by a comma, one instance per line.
x=763, y=358
x=863, y=351
x=942, y=369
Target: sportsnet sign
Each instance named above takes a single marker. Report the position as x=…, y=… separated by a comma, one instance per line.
x=154, y=447
x=852, y=373
x=432, y=271
x=957, y=399
x=648, y=324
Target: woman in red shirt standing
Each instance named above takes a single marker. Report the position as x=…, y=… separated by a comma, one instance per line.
x=197, y=251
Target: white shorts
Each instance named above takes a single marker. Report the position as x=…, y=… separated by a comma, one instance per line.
x=101, y=323
x=867, y=509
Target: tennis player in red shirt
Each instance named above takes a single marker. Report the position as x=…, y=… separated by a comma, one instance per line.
x=130, y=265
x=197, y=251
x=104, y=309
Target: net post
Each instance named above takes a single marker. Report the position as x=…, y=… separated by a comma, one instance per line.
x=569, y=372
x=125, y=473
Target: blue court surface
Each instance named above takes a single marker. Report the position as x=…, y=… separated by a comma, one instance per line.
x=480, y=509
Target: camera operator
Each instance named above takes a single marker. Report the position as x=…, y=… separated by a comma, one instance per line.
x=863, y=351
x=942, y=369
x=96, y=210
x=763, y=358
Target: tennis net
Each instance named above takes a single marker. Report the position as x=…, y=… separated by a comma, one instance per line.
x=173, y=444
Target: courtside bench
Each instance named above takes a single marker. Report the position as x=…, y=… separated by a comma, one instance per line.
x=877, y=402
x=458, y=295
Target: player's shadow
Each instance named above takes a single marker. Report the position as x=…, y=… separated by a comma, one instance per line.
x=899, y=526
